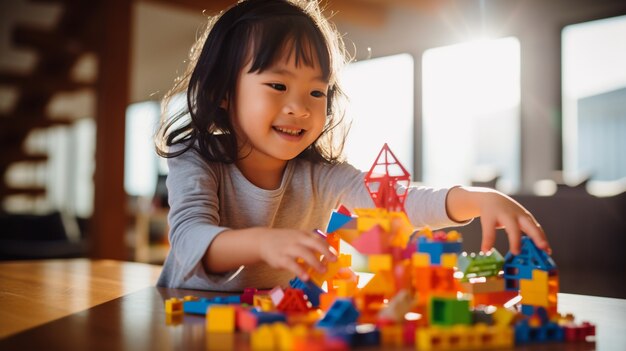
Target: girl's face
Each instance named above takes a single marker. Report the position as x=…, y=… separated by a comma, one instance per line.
x=279, y=112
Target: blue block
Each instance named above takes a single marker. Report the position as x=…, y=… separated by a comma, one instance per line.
x=528, y=310
x=525, y=334
x=436, y=248
x=337, y=220
x=341, y=312
x=268, y=317
x=197, y=307
x=200, y=306
x=311, y=290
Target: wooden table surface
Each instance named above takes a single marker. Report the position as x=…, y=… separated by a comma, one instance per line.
x=36, y=292
x=110, y=305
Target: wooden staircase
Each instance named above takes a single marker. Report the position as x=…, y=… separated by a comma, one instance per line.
x=57, y=50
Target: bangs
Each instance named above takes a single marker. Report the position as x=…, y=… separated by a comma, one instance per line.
x=275, y=37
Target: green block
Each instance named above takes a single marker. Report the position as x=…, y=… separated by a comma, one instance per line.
x=448, y=311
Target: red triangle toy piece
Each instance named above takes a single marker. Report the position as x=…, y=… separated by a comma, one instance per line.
x=383, y=179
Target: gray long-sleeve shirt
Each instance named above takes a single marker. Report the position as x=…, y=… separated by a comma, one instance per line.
x=207, y=198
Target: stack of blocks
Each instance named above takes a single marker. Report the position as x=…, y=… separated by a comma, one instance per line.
x=424, y=290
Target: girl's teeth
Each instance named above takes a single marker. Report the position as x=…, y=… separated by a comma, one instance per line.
x=289, y=131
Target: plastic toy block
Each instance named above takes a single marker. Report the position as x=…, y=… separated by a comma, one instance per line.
x=483, y=285
x=580, y=332
x=276, y=294
x=311, y=290
x=401, y=229
x=503, y=316
x=434, y=279
x=347, y=235
x=173, y=305
x=498, y=298
x=309, y=318
x=482, y=316
x=220, y=319
x=263, y=302
x=370, y=218
x=481, y=265
x=542, y=314
x=397, y=307
x=379, y=263
x=436, y=248
x=539, y=299
x=444, y=311
x=355, y=335
x=409, y=330
x=334, y=241
x=250, y=319
x=262, y=338
x=521, y=266
x=331, y=270
x=373, y=241
x=420, y=259
x=391, y=335
x=545, y=282
x=197, y=307
x=524, y=333
x=326, y=300
x=343, y=210
x=403, y=275
x=382, y=283
x=283, y=337
x=342, y=312
x=294, y=301
x=461, y=337
x=339, y=220
x=248, y=295
x=449, y=260
x=382, y=179
x=345, y=288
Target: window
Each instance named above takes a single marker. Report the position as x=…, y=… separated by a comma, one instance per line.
x=594, y=100
x=471, y=113
x=381, y=109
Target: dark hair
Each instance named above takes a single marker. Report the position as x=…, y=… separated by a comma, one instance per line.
x=257, y=29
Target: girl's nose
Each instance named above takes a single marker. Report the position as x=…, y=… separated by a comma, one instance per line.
x=297, y=107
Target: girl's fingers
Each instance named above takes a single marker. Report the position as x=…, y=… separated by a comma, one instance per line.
x=535, y=232
x=514, y=233
x=309, y=257
x=489, y=233
x=320, y=245
x=294, y=267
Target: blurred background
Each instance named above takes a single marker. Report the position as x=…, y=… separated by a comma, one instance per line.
x=525, y=96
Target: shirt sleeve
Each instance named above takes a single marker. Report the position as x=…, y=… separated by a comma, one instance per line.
x=193, y=187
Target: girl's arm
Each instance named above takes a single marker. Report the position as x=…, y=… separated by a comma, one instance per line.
x=279, y=248
x=496, y=210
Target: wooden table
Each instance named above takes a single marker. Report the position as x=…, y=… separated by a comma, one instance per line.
x=110, y=305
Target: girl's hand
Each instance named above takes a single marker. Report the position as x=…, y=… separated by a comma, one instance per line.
x=497, y=211
x=283, y=248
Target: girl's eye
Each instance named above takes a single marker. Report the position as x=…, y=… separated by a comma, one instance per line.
x=277, y=86
x=318, y=94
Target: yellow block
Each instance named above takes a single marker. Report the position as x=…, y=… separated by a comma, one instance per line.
x=381, y=262
x=420, y=259
x=448, y=260
x=220, y=319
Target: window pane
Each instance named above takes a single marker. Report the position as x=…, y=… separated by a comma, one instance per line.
x=381, y=109
x=471, y=113
x=594, y=99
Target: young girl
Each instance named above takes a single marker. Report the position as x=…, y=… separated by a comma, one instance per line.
x=253, y=167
